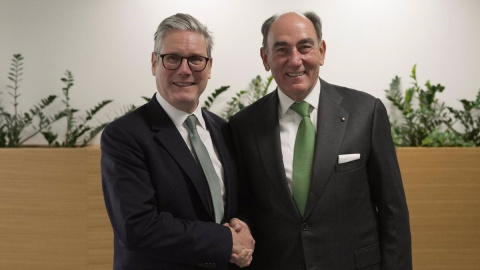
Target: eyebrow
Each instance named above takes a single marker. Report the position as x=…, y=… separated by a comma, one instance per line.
x=301, y=42
x=280, y=44
x=306, y=41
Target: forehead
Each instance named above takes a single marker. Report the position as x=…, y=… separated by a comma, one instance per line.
x=291, y=28
x=183, y=41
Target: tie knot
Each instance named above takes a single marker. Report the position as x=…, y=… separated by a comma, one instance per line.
x=302, y=108
x=191, y=122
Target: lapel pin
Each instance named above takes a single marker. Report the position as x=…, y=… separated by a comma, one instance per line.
x=342, y=119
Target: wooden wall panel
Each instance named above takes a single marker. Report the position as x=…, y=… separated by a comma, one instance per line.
x=42, y=209
x=100, y=234
x=442, y=186
x=52, y=214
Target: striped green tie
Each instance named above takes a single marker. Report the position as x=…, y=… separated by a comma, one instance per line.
x=303, y=155
x=203, y=158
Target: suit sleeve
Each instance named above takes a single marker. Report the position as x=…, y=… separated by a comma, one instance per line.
x=389, y=196
x=245, y=194
x=136, y=220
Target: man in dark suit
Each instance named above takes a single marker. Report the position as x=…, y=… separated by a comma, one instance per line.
x=336, y=200
x=168, y=176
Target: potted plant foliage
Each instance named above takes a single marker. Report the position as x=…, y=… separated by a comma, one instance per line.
x=257, y=89
x=426, y=121
x=17, y=127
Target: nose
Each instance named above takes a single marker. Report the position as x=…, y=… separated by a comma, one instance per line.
x=296, y=58
x=184, y=68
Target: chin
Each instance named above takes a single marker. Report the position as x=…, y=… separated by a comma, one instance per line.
x=186, y=100
x=298, y=88
x=294, y=92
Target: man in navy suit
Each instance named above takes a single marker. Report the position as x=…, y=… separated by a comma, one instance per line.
x=344, y=207
x=164, y=212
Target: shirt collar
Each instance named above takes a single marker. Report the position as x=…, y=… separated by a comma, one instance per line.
x=312, y=98
x=178, y=117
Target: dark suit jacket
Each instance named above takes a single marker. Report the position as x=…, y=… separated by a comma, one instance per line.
x=356, y=215
x=157, y=197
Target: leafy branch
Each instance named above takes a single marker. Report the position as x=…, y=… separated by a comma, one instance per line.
x=16, y=128
x=257, y=89
x=425, y=120
x=209, y=101
x=469, y=118
x=78, y=132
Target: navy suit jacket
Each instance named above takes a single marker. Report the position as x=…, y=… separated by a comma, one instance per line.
x=157, y=196
x=356, y=215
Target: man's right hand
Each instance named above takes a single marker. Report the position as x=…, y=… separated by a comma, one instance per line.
x=242, y=238
x=243, y=243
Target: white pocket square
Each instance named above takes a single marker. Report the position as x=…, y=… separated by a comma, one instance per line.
x=347, y=158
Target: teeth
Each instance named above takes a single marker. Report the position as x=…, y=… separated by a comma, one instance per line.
x=296, y=74
x=183, y=84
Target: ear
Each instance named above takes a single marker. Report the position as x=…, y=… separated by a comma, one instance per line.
x=264, y=56
x=154, y=63
x=323, y=50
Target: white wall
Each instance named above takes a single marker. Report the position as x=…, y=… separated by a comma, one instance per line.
x=107, y=45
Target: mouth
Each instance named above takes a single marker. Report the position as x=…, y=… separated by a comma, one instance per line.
x=183, y=84
x=295, y=74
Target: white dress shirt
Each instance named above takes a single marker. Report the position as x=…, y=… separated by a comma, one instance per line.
x=289, y=121
x=178, y=118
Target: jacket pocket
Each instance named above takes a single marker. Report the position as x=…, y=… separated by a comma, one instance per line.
x=367, y=256
x=350, y=166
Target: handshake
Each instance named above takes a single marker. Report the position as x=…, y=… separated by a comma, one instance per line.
x=243, y=242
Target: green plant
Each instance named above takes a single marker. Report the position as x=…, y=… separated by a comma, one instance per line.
x=257, y=89
x=77, y=133
x=425, y=120
x=209, y=101
x=17, y=127
x=469, y=118
x=438, y=138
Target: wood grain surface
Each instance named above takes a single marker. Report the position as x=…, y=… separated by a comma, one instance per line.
x=52, y=214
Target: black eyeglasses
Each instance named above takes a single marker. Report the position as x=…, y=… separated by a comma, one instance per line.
x=173, y=61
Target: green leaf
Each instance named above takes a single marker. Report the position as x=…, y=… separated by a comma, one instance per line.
x=210, y=100
x=50, y=137
x=427, y=121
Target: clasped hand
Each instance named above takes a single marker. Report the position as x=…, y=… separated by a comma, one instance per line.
x=243, y=243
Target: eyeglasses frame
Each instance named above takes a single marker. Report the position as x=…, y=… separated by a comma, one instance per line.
x=181, y=61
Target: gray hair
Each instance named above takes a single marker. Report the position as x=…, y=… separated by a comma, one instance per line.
x=186, y=22
x=312, y=16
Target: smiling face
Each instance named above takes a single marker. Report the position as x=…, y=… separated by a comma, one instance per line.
x=181, y=87
x=293, y=54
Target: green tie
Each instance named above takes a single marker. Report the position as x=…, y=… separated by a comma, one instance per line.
x=203, y=158
x=303, y=155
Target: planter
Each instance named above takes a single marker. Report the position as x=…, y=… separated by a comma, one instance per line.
x=442, y=186
x=52, y=214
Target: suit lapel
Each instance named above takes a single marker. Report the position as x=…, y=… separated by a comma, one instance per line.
x=168, y=136
x=330, y=133
x=267, y=132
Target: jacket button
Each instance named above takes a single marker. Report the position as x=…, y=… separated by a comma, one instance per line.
x=304, y=226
